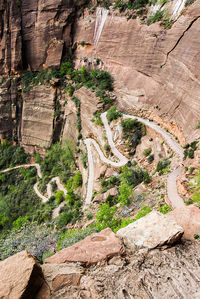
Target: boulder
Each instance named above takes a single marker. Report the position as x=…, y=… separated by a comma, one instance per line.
x=59, y=276
x=91, y=250
x=109, y=172
x=102, y=170
x=189, y=219
x=20, y=277
x=99, y=198
x=151, y=231
x=112, y=192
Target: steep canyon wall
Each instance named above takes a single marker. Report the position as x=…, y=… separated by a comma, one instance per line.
x=155, y=71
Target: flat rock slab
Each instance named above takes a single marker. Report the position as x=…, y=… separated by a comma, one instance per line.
x=91, y=250
x=189, y=219
x=151, y=231
x=20, y=277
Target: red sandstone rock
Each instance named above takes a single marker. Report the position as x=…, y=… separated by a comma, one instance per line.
x=20, y=277
x=189, y=219
x=91, y=250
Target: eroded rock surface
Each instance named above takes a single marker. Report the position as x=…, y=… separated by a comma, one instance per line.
x=172, y=273
x=20, y=277
x=91, y=250
x=151, y=231
x=151, y=67
x=189, y=219
x=38, y=116
x=59, y=276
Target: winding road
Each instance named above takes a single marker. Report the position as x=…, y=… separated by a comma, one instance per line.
x=172, y=192
x=173, y=196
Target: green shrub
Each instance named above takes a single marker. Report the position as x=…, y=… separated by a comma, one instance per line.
x=109, y=183
x=147, y=152
x=197, y=237
x=126, y=194
x=164, y=209
x=112, y=113
x=150, y=159
x=195, y=187
x=59, y=161
x=133, y=131
x=84, y=160
x=134, y=175
x=155, y=18
x=19, y=222
x=35, y=238
x=105, y=217
x=67, y=69
x=59, y=197
x=198, y=125
x=97, y=118
x=63, y=219
x=143, y=212
x=72, y=236
x=77, y=180
x=189, y=149
x=11, y=155
x=46, y=254
x=89, y=216
x=189, y=2
x=107, y=147
x=163, y=165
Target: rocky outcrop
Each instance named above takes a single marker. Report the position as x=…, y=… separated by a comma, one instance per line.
x=91, y=250
x=101, y=197
x=38, y=116
x=151, y=231
x=153, y=68
x=5, y=111
x=20, y=277
x=10, y=36
x=170, y=273
x=189, y=219
x=62, y=275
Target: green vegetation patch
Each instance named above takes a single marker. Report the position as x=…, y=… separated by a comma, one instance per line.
x=37, y=239
x=189, y=149
x=72, y=236
x=18, y=199
x=195, y=188
x=107, y=216
x=59, y=161
x=133, y=131
x=113, y=113
x=163, y=166
x=11, y=155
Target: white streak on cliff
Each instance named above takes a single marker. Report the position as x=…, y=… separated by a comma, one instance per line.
x=101, y=16
x=178, y=7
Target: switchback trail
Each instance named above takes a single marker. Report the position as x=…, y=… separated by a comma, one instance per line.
x=173, y=196
x=35, y=187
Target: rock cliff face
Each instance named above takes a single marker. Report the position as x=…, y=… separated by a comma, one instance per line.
x=154, y=69
x=38, y=116
x=34, y=35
